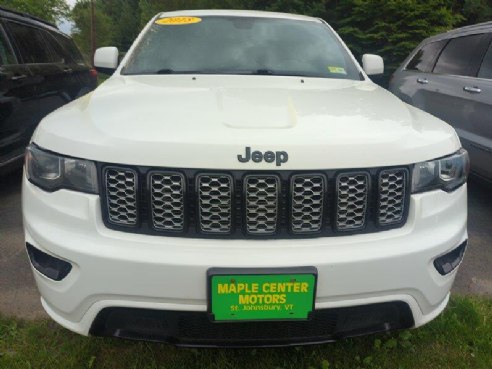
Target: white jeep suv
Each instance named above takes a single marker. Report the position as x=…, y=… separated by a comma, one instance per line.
x=240, y=181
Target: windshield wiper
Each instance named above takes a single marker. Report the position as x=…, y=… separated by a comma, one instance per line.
x=172, y=71
x=255, y=72
x=165, y=71
x=264, y=72
x=270, y=72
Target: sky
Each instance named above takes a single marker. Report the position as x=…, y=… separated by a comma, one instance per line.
x=66, y=26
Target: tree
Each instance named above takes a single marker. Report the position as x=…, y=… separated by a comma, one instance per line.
x=117, y=23
x=393, y=28
x=474, y=11
x=313, y=8
x=149, y=8
x=125, y=20
x=50, y=10
x=81, y=33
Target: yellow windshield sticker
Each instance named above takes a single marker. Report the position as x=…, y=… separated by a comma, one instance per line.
x=338, y=70
x=174, y=21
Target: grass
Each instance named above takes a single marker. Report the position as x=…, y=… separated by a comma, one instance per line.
x=101, y=77
x=460, y=338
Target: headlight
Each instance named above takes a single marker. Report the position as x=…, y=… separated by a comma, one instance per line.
x=446, y=174
x=53, y=172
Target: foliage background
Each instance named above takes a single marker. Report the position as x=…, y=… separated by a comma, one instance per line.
x=390, y=28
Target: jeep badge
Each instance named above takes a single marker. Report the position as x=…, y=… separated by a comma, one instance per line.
x=279, y=157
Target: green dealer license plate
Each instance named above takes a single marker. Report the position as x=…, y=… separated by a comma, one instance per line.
x=248, y=294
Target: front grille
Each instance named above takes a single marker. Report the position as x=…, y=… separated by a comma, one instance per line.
x=215, y=200
x=240, y=204
x=308, y=192
x=167, y=200
x=261, y=204
x=391, y=196
x=352, y=191
x=121, y=196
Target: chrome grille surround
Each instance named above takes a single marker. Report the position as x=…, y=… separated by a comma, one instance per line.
x=121, y=195
x=307, y=203
x=167, y=191
x=352, y=190
x=215, y=203
x=262, y=194
x=391, y=192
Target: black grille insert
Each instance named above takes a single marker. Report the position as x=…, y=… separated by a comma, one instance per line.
x=392, y=190
x=307, y=203
x=352, y=194
x=215, y=203
x=261, y=196
x=121, y=196
x=167, y=200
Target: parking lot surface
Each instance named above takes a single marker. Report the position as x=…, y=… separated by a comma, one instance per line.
x=19, y=296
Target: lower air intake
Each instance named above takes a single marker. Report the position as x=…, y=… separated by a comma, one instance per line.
x=190, y=328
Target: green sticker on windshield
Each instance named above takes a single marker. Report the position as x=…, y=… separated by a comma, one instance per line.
x=337, y=70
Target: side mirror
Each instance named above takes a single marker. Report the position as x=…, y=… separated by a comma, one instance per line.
x=106, y=59
x=372, y=64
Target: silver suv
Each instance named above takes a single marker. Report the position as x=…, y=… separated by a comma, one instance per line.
x=450, y=76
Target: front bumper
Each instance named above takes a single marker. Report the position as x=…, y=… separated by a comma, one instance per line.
x=111, y=269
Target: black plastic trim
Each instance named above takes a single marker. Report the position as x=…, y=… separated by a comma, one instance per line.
x=448, y=262
x=51, y=267
x=107, y=71
x=194, y=329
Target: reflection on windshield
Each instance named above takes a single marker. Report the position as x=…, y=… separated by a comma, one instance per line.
x=241, y=45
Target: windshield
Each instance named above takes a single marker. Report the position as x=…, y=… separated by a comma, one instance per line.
x=241, y=45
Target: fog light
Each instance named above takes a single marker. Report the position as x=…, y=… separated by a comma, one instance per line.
x=446, y=263
x=48, y=265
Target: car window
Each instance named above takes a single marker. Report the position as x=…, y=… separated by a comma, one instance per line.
x=242, y=45
x=69, y=48
x=486, y=68
x=31, y=43
x=460, y=55
x=58, y=54
x=6, y=54
x=424, y=59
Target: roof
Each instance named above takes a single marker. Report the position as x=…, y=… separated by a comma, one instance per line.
x=478, y=26
x=462, y=31
x=24, y=16
x=238, y=13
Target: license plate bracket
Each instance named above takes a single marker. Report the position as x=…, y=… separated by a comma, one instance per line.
x=261, y=294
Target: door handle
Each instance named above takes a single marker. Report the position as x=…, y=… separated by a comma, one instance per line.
x=68, y=70
x=18, y=77
x=472, y=90
x=423, y=81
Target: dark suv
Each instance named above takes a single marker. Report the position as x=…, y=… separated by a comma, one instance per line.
x=41, y=69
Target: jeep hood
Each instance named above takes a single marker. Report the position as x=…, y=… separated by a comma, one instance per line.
x=206, y=121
